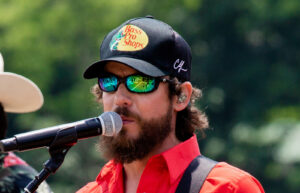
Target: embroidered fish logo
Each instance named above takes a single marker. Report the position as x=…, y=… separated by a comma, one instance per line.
x=115, y=40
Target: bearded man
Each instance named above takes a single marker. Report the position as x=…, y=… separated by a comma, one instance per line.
x=144, y=76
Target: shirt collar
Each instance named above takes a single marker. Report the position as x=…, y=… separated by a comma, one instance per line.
x=182, y=153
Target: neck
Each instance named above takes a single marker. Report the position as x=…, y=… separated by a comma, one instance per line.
x=132, y=174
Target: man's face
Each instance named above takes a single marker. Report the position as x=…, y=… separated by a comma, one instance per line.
x=146, y=118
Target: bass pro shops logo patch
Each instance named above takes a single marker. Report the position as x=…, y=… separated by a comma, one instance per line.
x=129, y=38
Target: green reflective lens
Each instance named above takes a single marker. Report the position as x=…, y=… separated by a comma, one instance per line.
x=140, y=84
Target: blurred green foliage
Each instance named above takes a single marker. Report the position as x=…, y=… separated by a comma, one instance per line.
x=246, y=58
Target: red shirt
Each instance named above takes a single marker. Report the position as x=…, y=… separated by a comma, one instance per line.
x=164, y=171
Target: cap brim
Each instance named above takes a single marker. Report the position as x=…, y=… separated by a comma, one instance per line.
x=19, y=94
x=147, y=68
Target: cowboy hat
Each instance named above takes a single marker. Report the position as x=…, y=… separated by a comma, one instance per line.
x=17, y=93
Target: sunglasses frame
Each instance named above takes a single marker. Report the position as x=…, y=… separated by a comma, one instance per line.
x=124, y=80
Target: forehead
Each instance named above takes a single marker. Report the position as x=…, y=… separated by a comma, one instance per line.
x=118, y=68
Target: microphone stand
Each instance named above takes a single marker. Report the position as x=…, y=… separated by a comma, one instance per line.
x=64, y=140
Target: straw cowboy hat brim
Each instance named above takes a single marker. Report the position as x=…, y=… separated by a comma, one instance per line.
x=19, y=94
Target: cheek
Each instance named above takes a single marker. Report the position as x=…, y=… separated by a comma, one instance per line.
x=107, y=101
x=155, y=106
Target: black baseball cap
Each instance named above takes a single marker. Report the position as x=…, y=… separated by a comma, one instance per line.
x=148, y=45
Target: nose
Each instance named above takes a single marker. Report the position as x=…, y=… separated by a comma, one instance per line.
x=122, y=96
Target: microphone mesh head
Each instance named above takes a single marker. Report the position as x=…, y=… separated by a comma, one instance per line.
x=111, y=123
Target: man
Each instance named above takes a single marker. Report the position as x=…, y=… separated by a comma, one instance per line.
x=17, y=95
x=144, y=75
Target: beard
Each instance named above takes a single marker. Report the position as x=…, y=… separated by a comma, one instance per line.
x=126, y=150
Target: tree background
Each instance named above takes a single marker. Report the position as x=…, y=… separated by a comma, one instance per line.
x=246, y=59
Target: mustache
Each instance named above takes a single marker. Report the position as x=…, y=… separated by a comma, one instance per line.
x=126, y=112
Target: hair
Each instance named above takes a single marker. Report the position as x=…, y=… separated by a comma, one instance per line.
x=3, y=122
x=188, y=120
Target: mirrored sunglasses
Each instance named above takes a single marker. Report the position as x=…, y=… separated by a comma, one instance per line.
x=136, y=83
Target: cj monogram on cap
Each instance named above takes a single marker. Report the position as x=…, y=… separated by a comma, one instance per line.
x=129, y=38
x=178, y=65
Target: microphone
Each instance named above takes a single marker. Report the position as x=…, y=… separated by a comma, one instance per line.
x=108, y=124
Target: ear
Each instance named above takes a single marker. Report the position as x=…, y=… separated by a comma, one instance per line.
x=181, y=101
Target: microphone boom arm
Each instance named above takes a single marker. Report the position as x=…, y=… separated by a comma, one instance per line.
x=57, y=151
